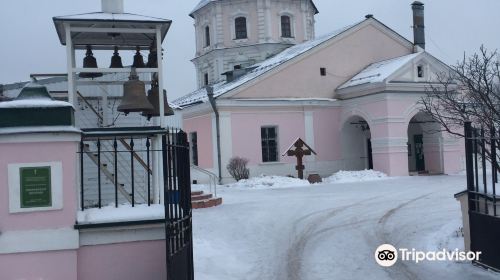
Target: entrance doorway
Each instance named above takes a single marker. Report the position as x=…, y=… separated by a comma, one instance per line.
x=356, y=144
x=425, y=153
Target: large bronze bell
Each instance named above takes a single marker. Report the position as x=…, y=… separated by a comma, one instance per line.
x=154, y=98
x=152, y=57
x=138, y=59
x=134, y=96
x=116, y=60
x=89, y=62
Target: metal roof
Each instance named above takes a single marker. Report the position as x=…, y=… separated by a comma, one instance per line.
x=110, y=20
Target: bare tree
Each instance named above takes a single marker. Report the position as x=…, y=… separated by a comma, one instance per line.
x=469, y=92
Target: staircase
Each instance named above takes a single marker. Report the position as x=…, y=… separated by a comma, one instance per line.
x=199, y=200
x=88, y=117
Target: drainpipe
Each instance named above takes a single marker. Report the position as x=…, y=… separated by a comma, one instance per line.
x=210, y=94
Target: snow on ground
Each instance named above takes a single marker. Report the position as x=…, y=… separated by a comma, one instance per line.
x=355, y=176
x=266, y=182
x=321, y=232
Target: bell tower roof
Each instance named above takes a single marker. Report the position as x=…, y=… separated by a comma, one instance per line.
x=203, y=3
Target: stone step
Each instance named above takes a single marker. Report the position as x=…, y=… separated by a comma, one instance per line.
x=201, y=197
x=207, y=203
x=196, y=193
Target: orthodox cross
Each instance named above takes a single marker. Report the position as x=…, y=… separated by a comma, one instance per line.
x=299, y=149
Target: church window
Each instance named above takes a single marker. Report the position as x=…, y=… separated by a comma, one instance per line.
x=286, y=27
x=205, y=76
x=269, y=140
x=420, y=71
x=240, y=27
x=207, y=36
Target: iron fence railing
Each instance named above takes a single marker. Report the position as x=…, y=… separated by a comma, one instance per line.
x=122, y=160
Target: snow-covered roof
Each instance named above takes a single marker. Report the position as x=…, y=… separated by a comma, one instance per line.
x=203, y=3
x=34, y=103
x=102, y=40
x=101, y=16
x=379, y=71
x=221, y=88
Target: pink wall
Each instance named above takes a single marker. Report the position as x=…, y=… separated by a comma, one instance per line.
x=366, y=46
x=203, y=127
x=64, y=152
x=123, y=261
x=246, y=125
x=327, y=127
x=55, y=265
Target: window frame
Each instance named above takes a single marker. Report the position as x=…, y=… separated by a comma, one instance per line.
x=206, y=79
x=207, y=36
x=282, y=27
x=238, y=25
x=193, y=140
x=266, y=148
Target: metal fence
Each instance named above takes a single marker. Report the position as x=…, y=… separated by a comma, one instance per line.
x=481, y=145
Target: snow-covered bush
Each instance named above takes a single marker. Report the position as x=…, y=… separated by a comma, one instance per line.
x=237, y=167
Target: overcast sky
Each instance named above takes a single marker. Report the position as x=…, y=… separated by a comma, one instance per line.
x=29, y=43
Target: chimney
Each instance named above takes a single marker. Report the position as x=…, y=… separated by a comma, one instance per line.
x=112, y=6
x=418, y=24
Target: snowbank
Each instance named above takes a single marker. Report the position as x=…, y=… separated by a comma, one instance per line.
x=355, y=176
x=266, y=182
x=110, y=214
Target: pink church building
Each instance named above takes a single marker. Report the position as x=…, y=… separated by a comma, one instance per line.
x=352, y=95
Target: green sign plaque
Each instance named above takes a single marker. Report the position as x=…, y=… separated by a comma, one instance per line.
x=35, y=187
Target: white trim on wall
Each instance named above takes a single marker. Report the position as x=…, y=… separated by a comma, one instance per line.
x=309, y=130
x=89, y=237
x=38, y=240
x=56, y=174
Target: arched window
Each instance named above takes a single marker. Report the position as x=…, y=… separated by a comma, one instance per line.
x=240, y=27
x=286, y=27
x=207, y=36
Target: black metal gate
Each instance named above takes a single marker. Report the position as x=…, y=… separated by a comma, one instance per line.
x=482, y=166
x=178, y=213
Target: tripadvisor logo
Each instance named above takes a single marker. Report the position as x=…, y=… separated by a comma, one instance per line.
x=387, y=255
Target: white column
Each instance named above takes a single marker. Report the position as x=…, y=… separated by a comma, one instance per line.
x=309, y=129
x=160, y=75
x=70, y=54
x=158, y=163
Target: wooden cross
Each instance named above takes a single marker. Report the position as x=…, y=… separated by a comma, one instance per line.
x=299, y=149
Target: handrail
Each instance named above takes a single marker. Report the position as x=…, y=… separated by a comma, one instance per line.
x=212, y=177
x=125, y=144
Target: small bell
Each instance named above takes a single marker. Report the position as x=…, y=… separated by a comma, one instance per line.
x=154, y=99
x=138, y=59
x=116, y=60
x=134, y=95
x=89, y=62
x=152, y=57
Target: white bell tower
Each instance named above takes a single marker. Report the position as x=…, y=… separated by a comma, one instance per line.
x=233, y=35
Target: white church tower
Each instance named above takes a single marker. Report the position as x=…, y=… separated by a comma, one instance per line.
x=234, y=34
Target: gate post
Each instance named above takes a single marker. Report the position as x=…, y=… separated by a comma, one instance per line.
x=38, y=187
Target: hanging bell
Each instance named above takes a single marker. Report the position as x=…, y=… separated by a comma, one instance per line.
x=152, y=57
x=134, y=96
x=138, y=59
x=116, y=60
x=154, y=98
x=89, y=62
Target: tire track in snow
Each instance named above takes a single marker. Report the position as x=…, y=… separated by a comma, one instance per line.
x=295, y=252
x=400, y=268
